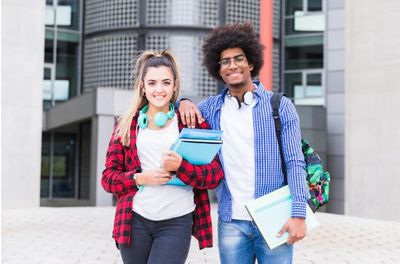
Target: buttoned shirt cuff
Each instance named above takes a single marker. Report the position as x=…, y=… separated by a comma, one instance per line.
x=299, y=210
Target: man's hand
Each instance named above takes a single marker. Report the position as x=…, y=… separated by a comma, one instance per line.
x=189, y=112
x=171, y=161
x=296, y=228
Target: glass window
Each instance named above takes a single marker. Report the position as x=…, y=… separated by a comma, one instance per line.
x=68, y=14
x=314, y=5
x=292, y=80
x=48, y=48
x=45, y=166
x=64, y=165
x=58, y=165
x=305, y=57
x=66, y=70
x=310, y=92
x=49, y=13
x=47, y=88
x=305, y=87
x=303, y=53
x=302, y=24
x=292, y=6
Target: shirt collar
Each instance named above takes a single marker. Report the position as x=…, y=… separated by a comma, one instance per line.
x=259, y=91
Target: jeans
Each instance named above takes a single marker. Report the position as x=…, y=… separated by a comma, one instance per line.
x=239, y=241
x=165, y=241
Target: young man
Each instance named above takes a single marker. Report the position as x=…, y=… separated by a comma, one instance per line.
x=250, y=153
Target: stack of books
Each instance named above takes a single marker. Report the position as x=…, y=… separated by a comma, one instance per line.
x=197, y=146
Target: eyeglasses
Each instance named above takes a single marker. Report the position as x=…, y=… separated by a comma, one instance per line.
x=238, y=60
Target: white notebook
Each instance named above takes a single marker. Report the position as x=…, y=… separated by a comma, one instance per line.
x=271, y=211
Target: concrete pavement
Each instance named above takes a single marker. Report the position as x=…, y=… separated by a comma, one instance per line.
x=83, y=235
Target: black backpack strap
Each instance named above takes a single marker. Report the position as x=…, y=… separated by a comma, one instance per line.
x=275, y=103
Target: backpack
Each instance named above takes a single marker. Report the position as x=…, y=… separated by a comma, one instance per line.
x=317, y=179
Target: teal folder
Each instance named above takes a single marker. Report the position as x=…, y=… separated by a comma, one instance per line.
x=271, y=211
x=197, y=146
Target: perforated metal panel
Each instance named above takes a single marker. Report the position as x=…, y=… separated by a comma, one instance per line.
x=156, y=12
x=206, y=84
x=209, y=13
x=182, y=12
x=107, y=61
x=109, y=14
x=276, y=59
x=157, y=42
x=243, y=10
x=276, y=64
x=276, y=19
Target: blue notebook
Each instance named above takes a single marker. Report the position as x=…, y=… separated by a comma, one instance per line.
x=197, y=151
x=197, y=146
x=196, y=133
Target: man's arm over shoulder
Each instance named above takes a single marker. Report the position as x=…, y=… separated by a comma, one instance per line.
x=205, y=107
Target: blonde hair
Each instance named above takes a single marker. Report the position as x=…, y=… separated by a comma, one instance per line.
x=145, y=60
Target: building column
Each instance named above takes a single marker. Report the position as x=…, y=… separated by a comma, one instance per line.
x=102, y=128
x=335, y=97
x=21, y=104
x=266, y=31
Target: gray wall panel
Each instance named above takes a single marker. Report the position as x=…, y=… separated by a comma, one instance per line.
x=336, y=4
x=335, y=144
x=335, y=103
x=336, y=39
x=335, y=60
x=336, y=124
x=336, y=166
x=335, y=82
x=336, y=19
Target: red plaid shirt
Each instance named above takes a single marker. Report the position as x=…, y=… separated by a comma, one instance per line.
x=123, y=162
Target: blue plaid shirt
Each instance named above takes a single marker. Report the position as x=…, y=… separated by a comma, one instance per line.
x=268, y=171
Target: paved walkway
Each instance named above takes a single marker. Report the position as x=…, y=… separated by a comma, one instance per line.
x=83, y=235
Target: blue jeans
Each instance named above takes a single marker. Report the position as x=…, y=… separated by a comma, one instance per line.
x=165, y=241
x=239, y=241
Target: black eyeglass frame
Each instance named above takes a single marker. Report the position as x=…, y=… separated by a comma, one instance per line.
x=237, y=60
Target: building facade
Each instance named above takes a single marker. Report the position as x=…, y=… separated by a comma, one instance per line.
x=89, y=51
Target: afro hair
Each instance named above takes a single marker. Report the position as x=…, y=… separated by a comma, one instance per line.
x=232, y=36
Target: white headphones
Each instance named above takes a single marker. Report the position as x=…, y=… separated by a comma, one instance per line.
x=247, y=98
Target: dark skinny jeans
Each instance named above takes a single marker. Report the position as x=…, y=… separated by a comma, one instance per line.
x=153, y=242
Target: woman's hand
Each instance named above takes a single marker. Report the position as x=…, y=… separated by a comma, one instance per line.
x=189, y=112
x=153, y=177
x=171, y=161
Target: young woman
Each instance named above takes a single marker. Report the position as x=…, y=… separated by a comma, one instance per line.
x=154, y=221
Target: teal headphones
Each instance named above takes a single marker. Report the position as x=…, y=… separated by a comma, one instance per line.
x=160, y=119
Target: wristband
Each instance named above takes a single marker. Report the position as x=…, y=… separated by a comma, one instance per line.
x=135, y=178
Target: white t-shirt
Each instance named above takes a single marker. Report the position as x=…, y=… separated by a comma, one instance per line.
x=160, y=202
x=238, y=154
